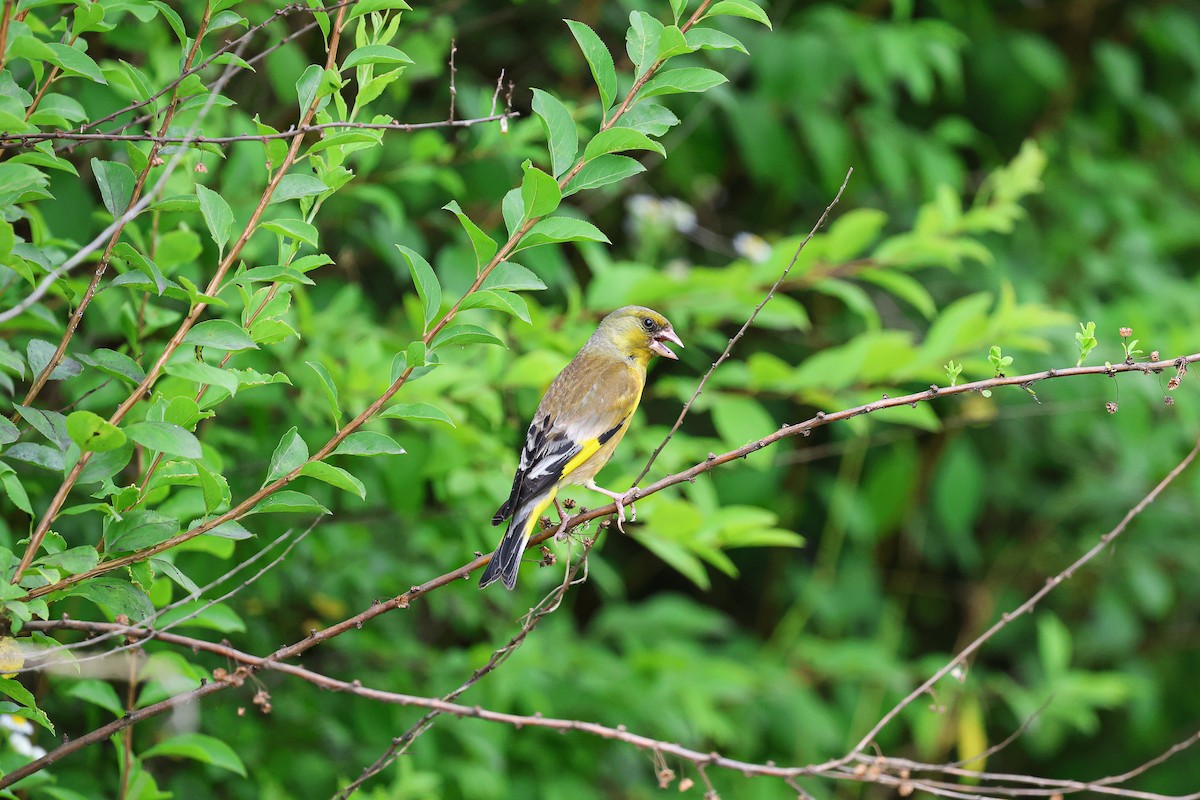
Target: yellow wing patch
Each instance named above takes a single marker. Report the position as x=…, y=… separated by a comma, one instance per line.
x=586, y=451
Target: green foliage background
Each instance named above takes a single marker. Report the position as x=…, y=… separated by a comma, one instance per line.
x=1017, y=169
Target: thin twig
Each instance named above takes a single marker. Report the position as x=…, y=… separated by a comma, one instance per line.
x=742, y=332
x=22, y=139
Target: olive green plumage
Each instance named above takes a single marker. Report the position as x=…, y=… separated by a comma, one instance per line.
x=578, y=425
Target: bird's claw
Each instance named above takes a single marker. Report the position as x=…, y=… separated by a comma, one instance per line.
x=622, y=501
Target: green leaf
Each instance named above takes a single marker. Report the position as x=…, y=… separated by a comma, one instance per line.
x=560, y=229
x=677, y=8
x=511, y=275
x=540, y=194
x=118, y=365
x=16, y=490
x=14, y=689
x=428, y=287
x=116, y=182
x=199, y=747
x=335, y=476
x=462, y=333
x=8, y=431
x=561, y=135
x=617, y=139
x=165, y=437
x=296, y=229
x=287, y=501
x=416, y=411
x=499, y=300
x=485, y=246
x=74, y=60
x=368, y=443
x=307, y=86
x=740, y=419
x=903, y=286
x=39, y=454
x=671, y=42
x=217, y=215
x=202, y=373
x=514, y=210
x=49, y=424
x=219, y=334
x=93, y=433
x=600, y=61
x=138, y=529
x=641, y=40
x=739, y=8
x=851, y=234
x=295, y=185
x=99, y=693
x=115, y=596
x=603, y=170
x=174, y=573
x=684, y=79
x=73, y=561
x=39, y=352
x=712, y=39
x=330, y=389
x=126, y=253
x=375, y=54
x=290, y=453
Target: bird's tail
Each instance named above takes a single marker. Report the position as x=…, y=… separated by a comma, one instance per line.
x=507, y=558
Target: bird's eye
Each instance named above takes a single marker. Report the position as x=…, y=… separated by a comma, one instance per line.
x=647, y=323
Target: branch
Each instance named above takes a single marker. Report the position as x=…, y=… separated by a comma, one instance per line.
x=22, y=139
x=737, y=336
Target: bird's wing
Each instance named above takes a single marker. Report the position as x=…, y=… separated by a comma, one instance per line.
x=588, y=404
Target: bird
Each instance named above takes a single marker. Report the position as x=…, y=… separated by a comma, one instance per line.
x=577, y=426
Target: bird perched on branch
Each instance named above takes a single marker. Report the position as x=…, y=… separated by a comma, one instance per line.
x=578, y=425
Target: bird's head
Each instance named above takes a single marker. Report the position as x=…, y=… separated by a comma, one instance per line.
x=638, y=333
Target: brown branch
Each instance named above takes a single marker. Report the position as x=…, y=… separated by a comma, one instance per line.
x=548, y=605
x=742, y=332
x=1027, y=606
x=22, y=139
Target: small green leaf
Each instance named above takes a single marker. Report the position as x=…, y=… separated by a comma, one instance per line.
x=499, y=300
x=219, y=334
x=739, y=8
x=74, y=60
x=679, y=81
x=460, y=334
x=217, y=215
x=99, y=693
x=93, y=433
x=287, y=501
x=511, y=275
x=307, y=86
x=116, y=182
x=115, y=596
x=540, y=194
x=39, y=352
x=368, y=443
x=296, y=185
x=138, y=529
x=118, y=365
x=641, y=40
x=712, y=39
x=428, y=287
x=296, y=229
x=199, y=747
x=15, y=489
x=603, y=170
x=8, y=432
x=335, y=476
x=73, y=561
x=416, y=411
x=514, y=210
x=615, y=140
x=202, y=373
x=375, y=54
x=290, y=453
x=165, y=437
x=330, y=388
x=652, y=119
x=561, y=229
x=671, y=42
x=38, y=454
x=485, y=246
x=561, y=135
x=600, y=61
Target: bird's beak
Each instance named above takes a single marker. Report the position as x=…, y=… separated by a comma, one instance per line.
x=657, y=346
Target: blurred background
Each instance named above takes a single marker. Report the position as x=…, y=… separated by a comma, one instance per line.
x=1019, y=168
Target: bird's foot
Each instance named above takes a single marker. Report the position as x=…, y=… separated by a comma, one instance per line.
x=621, y=501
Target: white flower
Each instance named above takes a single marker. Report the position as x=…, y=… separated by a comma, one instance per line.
x=15, y=724
x=25, y=747
x=681, y=216
x=752, y=247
